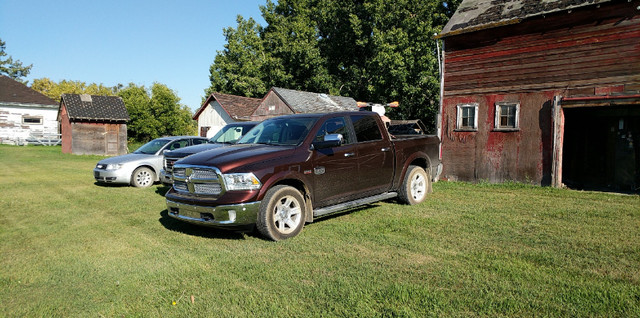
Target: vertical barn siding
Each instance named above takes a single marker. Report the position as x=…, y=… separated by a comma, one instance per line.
x=272, y=99
x=530, y=63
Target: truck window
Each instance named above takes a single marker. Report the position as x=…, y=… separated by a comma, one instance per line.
x=279, y=131
x=366, y=128
x=334, y=126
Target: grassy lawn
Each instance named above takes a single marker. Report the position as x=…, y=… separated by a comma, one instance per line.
x=71, y=248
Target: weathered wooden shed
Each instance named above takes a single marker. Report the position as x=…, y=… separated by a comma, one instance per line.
x=221, y=109
x=545, y=92
x=91, y=124
x=282, y=101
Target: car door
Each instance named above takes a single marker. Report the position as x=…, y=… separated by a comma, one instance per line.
x=375, y=155
x=335, y=170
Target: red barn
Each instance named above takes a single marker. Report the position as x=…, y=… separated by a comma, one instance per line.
x=544, y=92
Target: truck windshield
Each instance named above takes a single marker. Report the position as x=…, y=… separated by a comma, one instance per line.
x=280, y=132
x=228, y=134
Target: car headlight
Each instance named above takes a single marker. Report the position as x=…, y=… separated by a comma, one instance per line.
x=241, y=181
x=111, y=166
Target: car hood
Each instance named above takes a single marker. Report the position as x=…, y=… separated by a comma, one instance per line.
x=186, y=151
x=228, y=158
x=132, y=157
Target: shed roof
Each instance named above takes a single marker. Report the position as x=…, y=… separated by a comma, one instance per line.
x=238, y=107
x=307, y=102
x=474, y=15
x=95, y=108
x=14, y=92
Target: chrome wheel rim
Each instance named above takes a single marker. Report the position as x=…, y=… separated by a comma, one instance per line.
x=418, y=187
x=287, y=214
x=143, y=178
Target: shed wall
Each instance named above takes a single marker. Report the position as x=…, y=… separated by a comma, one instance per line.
x=271, y=106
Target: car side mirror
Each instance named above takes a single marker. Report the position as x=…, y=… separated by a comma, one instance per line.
x=329, y=141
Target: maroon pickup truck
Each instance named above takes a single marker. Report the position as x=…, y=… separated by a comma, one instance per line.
x=288, y=170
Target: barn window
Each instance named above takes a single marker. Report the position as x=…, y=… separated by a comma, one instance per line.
x=507, y=115
x=32, y=120
x=467, y=118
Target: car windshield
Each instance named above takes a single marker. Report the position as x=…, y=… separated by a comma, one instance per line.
x=279, y=131
x=228, y=134
x=152, y=146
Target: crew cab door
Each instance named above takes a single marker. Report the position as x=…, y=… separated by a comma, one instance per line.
x=335, y=170
x=375, y=155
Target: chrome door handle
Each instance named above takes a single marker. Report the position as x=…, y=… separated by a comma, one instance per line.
x=385, y=149
x=349, y=154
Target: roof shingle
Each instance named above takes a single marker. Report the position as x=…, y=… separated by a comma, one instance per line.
x=12, y=91
x=238, y=107
x=474, y=15
x=307, y=102
x=95, y=108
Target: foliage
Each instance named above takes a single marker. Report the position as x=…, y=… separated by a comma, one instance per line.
x=55, y=90
x=69, y=249
x=155, y=112
x=371, y=50
x=11, y=68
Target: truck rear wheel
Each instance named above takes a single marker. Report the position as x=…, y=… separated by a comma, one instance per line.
x=282, y=213
x=415, y=186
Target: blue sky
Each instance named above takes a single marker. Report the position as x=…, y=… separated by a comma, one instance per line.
x=111, y=42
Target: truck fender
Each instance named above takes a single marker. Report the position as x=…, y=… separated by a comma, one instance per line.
x=294, y=179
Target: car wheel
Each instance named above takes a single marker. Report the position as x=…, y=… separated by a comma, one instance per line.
x=142, y=177
x=282, y=213
x=415, y=186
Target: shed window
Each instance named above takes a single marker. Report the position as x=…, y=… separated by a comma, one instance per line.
x=507, y=116
x=467, y=118
x=32, y=120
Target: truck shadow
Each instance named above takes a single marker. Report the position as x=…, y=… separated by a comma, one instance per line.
x=196, y=230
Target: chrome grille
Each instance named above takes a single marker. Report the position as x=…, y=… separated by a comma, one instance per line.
x=197, y=180
x=168, y=163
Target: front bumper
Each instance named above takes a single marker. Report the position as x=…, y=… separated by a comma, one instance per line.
x=222, y=216
x=112, y=176
x=165, y=177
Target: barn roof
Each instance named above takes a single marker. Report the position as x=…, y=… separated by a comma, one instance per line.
x=238, y=107
x=14, y=92
x=95, y=108
x=307, y=102
x=474, y=15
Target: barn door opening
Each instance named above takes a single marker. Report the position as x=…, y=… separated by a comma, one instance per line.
x=601, y=148
x=111, y=139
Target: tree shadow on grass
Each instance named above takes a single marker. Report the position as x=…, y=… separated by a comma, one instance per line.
x=199, y=230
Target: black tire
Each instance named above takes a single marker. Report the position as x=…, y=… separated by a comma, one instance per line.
x=142, y=177
x=416, y=186
x=282, y=213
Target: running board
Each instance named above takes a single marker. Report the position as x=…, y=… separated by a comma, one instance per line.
x=354, y=203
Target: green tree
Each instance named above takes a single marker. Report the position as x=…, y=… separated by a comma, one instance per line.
x=155, y=112
x=11, y=68
x=371, y=50
x=55, y=90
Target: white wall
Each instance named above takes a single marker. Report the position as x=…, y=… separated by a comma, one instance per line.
x=13, y=129
x=213, y=116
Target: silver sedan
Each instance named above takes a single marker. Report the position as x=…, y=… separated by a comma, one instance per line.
x=141, y=167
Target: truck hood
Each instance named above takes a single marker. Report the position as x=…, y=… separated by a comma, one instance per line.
x=186, y=151
x=228, y=158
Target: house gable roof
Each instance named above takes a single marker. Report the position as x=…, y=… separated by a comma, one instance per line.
x=307, y=102
x=94, y=107
x=14, y=92
x=474, y=15
x=237, y=107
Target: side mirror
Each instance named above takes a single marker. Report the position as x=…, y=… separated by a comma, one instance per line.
x=329, y=141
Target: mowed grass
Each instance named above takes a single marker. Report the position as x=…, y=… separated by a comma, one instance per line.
x=71, y=248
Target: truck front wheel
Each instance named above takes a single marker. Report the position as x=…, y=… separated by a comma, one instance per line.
x=282, y=213
x=415, y=186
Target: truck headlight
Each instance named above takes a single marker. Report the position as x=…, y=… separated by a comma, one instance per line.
x=241, y=181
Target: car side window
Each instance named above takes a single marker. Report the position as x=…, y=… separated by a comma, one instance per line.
x=179, y=144
x=366, y=128
x=335, y=125
x=199, y=141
